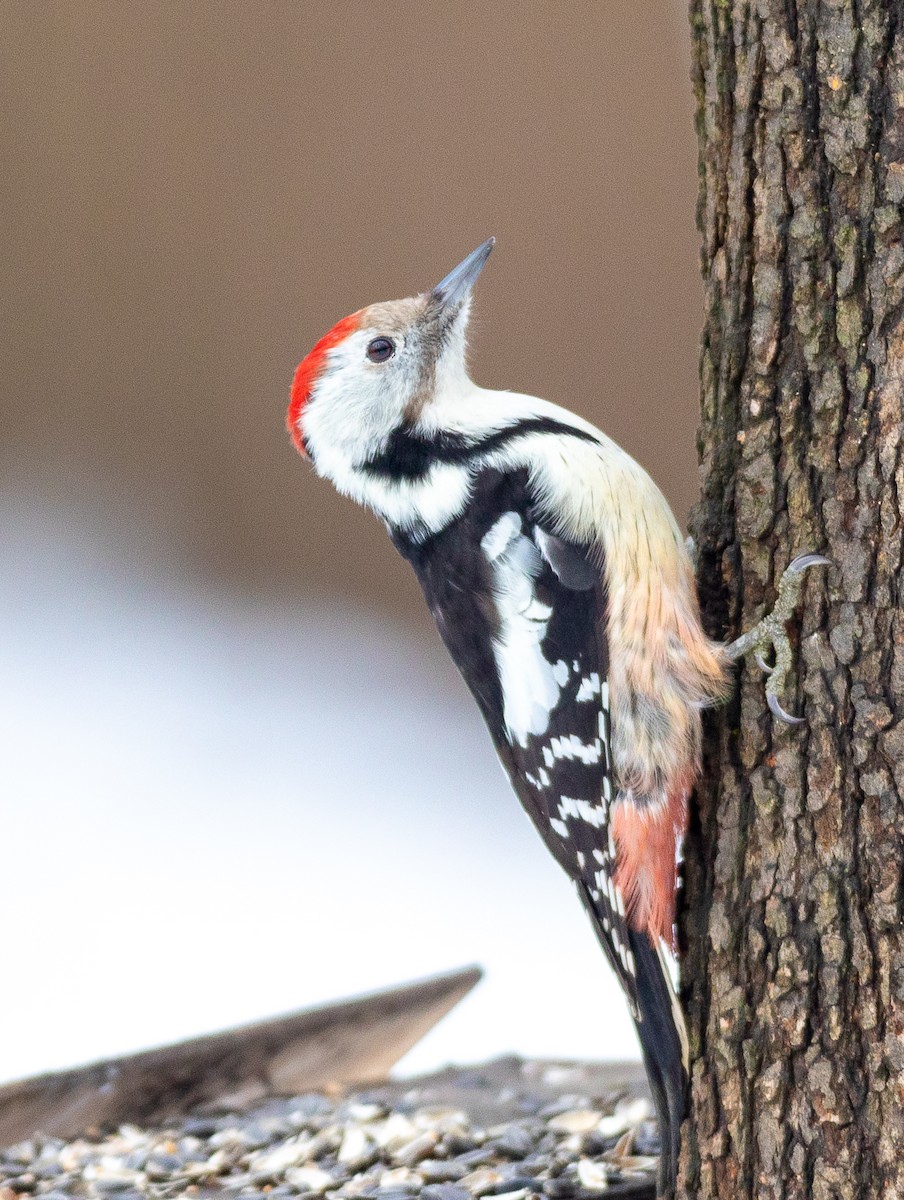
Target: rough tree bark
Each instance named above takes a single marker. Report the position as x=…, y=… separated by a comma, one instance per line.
x=794, y=969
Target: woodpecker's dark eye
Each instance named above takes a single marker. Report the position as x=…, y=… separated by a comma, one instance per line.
x=380, y=349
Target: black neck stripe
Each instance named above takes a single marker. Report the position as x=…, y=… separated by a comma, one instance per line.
x=410, y=456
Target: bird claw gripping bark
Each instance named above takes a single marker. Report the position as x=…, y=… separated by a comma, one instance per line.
x=770, y=636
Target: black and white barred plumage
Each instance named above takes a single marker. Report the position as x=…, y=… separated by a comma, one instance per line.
x=560, y=585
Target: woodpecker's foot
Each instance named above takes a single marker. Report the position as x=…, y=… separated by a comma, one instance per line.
x=769, y=636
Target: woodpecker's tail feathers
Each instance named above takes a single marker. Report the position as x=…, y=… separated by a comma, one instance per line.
x=663, y=1042
x=668, y=967
x=644, y=973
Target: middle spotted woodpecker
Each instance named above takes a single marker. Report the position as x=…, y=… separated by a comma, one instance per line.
x=564, y=592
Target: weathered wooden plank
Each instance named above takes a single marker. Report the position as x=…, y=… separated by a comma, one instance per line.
x=352, y=1041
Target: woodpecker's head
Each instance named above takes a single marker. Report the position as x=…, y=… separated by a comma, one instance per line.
x=380, y=370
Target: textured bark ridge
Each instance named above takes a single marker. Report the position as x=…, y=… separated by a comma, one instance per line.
x=793, y=915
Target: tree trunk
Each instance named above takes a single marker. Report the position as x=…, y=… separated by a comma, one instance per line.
x=793, y=921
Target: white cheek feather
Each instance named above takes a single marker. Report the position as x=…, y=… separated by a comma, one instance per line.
x=419, y=506
x=352, y=413
x=530, y=683
x=355, y=405
x=422, y=505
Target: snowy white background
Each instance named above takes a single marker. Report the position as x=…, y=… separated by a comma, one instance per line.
x=217, y=810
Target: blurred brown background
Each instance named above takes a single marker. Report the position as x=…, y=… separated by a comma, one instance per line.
x=194, y=192
x=246, y=774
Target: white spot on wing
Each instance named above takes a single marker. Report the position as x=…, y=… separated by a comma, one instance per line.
x=581, y=810
x=500, y=535
x=530, y=683
x=560, y=673
x=539, y=781
x=604, y=738
x=572, y=747
x=590, y=687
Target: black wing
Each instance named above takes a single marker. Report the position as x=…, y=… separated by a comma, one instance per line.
x=523, y=613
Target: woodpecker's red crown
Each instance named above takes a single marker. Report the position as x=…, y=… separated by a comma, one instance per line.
x=377, y=368
x=309, y=370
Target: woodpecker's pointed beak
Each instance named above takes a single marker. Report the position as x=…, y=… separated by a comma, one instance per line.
x=455, y=287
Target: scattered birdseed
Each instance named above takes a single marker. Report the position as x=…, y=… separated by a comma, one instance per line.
x=505, y=1131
